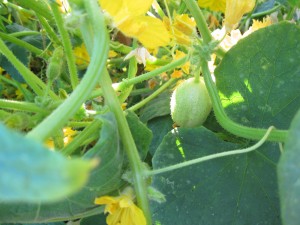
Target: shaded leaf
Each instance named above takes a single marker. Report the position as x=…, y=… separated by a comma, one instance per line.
x=141, y=134
x=159, y=106
x=21, y=53
x=237, y=190
x=104, y=179
x=160, y=126
x=29, y=172
x=94, y=220
x=289, y=176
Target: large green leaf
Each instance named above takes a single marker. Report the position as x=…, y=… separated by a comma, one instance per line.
x=104, y=179
x=159, y=106
x=233, y=190
x=141, y=134
x=258, y=79
x=289, y=176
x=29, y=172
x=160, y=126
x=258, y=82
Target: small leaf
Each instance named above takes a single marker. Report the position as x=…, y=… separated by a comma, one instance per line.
x=31, y=173
x=289, y=175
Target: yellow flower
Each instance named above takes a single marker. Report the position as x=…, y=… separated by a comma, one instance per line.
x=256, y=25
x=112, y=54
x=235, y=9
x=214, y=5
x=121, y=209
x=177, y=74
x=82, y=57
x=129, y=17
x=182, y=29
x=267, y=21
x=68, y=137
x=19, y=93
x=63, y=5
x=186, y=67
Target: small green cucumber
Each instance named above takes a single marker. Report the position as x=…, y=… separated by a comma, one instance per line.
x=190, y=103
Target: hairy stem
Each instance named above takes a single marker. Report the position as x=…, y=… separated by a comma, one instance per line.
x=153, y=95
x=210, y=157
x=227, y=123
x=65, y=111
x=66, y=41
x=129, y=144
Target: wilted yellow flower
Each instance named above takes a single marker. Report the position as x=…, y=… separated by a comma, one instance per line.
x=182, y=29
x=141, y=54
x=214, y=5
x=235, y=9
x=129, y=17
x=152, y=83
x=177, y=74
x=122, y=209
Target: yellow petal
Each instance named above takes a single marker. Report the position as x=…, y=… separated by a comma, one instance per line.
x=136, y=7
x=138, y=215
x=112, y=7
x=105, y=200
x=150, y=31
x=185, y=24
x=214, y=5
x=235, y=9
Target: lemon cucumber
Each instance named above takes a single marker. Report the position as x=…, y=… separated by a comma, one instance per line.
x=190, y=103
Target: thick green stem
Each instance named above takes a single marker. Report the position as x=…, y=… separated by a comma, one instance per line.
x=24, y=33
x=31, y=48
x=118, y=47
x=31, y=79
x=200, y=20
x=65, y=111
x=267, y=12
x=22, y=106
x=66, y=41
x=227, y=123
x=210, y=157
x=153, y=95
x=156, y=72
x=132, y=70
x=39, y=7
x=129, y=145
x=202, y=25
x=90, y=130
x=51, y=34
x=146, y=76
